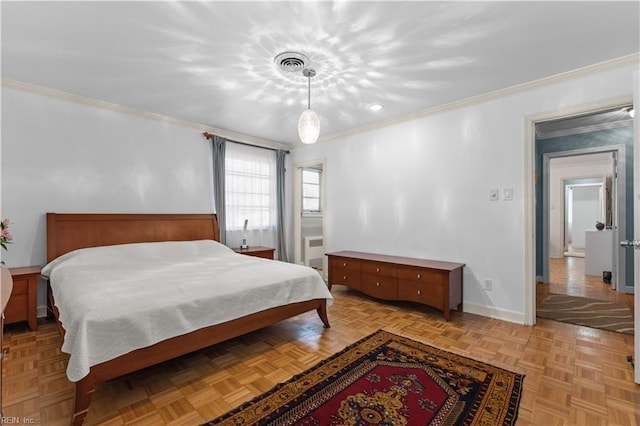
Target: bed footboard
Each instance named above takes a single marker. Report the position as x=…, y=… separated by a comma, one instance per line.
x=181, y=345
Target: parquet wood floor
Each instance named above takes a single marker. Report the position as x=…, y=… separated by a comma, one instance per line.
x=566, y=276
x=574, y=375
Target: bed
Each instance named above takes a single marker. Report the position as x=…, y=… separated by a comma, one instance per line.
x=185, y=253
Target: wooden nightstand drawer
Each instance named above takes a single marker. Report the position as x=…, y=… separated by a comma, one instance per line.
x=257, y=251
x=22, y=303
x=20, y=286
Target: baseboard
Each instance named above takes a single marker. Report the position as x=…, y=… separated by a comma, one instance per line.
x=493, y=312
x=629, y=289
x=41, y=311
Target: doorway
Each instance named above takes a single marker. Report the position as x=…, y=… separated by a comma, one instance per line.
x=584, y=218
x=594, y=159
x=584, y=209
x=309, y=209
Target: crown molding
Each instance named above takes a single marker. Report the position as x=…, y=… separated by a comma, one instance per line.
x=70, y=97
x=633, y=59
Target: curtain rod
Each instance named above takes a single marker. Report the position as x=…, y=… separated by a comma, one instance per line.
x=210, y=136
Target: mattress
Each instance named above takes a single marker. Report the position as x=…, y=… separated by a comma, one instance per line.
x=116, y=299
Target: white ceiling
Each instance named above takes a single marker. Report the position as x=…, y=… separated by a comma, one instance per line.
x=212, y=62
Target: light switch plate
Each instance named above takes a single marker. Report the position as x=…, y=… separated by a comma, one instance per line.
x=494, y=194
x=507, y=194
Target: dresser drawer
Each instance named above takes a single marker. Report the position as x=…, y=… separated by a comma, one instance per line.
x=423, y=275
x=379, y=286
x=422, y=292
x=343, y=263
x=383, y=269
x=344, y=276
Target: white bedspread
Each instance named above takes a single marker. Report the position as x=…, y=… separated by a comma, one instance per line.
x=115, y=299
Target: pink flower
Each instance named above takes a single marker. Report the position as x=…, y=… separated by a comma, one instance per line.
x=5, y=235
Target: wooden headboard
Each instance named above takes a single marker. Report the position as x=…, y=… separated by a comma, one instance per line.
x=67, y=232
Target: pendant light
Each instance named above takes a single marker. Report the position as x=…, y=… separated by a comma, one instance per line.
x=309, y=123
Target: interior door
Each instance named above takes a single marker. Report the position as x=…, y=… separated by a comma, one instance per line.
x=636, y=221
x=611, y=220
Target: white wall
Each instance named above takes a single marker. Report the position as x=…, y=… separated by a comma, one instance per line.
x=559, y=169
x=417, y=188
x=420, y=188
x=62, y=156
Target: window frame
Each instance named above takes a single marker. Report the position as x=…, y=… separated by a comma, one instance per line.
x=246, y=155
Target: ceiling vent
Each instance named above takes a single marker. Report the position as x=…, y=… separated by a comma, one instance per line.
x=291, y=61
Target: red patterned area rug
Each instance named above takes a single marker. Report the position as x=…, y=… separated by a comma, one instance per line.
x=385, y=379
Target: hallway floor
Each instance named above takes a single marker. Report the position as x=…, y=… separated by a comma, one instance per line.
x=567, y=277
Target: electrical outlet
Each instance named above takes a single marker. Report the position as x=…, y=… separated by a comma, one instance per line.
x=494, y=194
x=488, y=285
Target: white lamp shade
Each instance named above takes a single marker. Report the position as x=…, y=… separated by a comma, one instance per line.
x=309, y=127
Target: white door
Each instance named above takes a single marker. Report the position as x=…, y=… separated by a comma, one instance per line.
x=636, y=221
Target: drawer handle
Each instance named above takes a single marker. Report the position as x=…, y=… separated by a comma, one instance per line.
x=419, y=276
x=344, y=277
x=344, y=263
x=377, y=269
x=377, y=284
x=419, y=292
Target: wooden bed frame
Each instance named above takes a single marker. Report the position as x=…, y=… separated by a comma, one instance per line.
x=67, y=232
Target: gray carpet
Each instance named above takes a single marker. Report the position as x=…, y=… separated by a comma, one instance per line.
x=588, y=312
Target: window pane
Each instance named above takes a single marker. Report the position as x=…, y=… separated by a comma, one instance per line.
x=250, y=187
x=311, y=204
x=310, y=176
x=310, y=191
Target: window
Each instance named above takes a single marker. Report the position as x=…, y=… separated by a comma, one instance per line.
x=311, y=202
x=250, y=188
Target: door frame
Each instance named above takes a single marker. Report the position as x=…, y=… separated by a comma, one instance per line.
x=530, y=122
x=297, y=206
x=636, y=222
x=567, y=204
x=619, y=260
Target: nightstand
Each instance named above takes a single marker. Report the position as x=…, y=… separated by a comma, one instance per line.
x=256, y=251
x=22, y=303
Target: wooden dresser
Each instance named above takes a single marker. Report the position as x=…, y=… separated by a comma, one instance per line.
x=432, y=283
x=257, y=251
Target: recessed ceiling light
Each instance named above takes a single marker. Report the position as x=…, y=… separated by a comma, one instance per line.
x=375, y=107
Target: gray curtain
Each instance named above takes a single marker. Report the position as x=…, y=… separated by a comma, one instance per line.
x=219, y=144
x=280, y=172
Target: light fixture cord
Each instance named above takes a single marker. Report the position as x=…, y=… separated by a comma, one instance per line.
x=309, y=92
